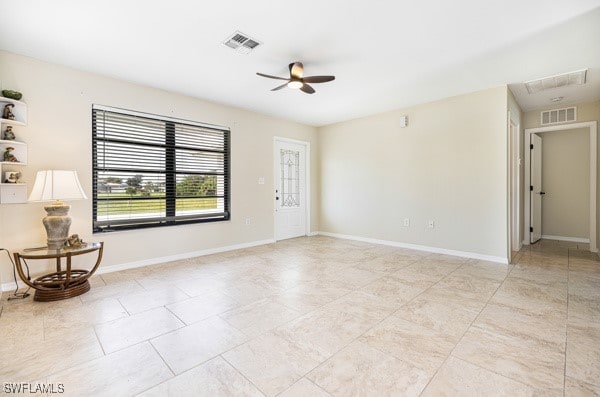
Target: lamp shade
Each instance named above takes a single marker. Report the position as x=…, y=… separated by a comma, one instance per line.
x=56, y=185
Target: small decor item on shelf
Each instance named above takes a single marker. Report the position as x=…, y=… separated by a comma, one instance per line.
x=8, y=156
x=9, y=135
x=7, y=113
x=75, y=242
x=12, y=177
x=16, y=95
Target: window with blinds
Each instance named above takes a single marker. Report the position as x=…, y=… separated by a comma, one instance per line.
x=157, y=171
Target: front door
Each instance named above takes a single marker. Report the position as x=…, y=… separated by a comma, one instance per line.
x=290, y=189
x=536, y=192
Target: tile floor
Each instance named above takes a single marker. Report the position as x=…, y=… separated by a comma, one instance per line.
x=320, y=317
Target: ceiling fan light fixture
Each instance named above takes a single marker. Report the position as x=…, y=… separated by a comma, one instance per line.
x=295, y=84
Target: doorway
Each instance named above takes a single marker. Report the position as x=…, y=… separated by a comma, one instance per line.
x=533, y=180
x=291, y=183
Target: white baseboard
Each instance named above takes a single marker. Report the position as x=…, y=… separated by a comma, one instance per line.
x=562, y=238
x=425, y=248
x=185, y=255
x=10, y=286
x=310, y=234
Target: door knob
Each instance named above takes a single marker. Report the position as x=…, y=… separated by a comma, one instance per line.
x=542, y=193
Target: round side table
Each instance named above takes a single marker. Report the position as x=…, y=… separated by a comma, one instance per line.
x=61, y=284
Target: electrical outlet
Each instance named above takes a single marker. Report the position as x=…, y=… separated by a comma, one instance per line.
x=261, y=180
x=430, y=224
x=248, y=221
x=406, y=222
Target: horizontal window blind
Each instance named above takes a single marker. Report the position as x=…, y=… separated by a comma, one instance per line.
x=153, y=171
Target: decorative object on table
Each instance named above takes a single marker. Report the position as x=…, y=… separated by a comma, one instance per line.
x=12, y=177
x=7, y=113
x=8, y=134
x=8, y=156
x=74, y=242
x=12, y=94
x=57, y=185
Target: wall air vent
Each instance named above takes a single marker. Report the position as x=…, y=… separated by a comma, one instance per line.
x=560, y=80
x=241, y=42
x=557, y=116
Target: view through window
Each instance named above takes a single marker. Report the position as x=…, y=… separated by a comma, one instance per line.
x=157, y=171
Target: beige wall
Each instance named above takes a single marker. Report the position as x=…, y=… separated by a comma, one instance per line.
x=565, y=179
x=449, y=165
x=58, y=133
x=589, y=111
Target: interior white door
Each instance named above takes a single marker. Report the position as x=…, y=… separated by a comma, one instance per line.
x=290, y=189
x=536, y=192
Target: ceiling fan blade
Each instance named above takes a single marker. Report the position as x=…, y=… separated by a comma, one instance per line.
x=318, y=79
x=271, y=77
x=296, y=70
x=280, y=87
x=308, y=89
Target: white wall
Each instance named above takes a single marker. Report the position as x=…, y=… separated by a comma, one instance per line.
x=565, y=179
x=449, y=165
x=59, y=137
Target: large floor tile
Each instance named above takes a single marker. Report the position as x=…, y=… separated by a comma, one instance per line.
x=273, y=362
x=202, y=306
x=360, y=370
x=394, y=290
x=128, y=331
x=259, y=317
x=157, y=297
x=522, y=323
x=112, y=290
x=483, y=269
x=535, y=362
x=304, y=388
x=326, y=330
x=125, y=372
x=538, y=297
x=466, y=287
x=577, y=388
x=584, y=311
x=583, y=354
x=25, y=362
x=450, y=316
x=422, y=347
x=194, y=344
x=310, y=295
x=215, y=378
x=363, y=305
x=460, y=378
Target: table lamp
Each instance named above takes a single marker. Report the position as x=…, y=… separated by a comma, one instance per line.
x=56, y=185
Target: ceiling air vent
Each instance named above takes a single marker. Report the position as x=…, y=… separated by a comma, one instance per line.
x=560, y=80
x=558, y=116
x=241, y=42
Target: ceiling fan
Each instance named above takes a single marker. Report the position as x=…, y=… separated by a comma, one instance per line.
x=296, y=79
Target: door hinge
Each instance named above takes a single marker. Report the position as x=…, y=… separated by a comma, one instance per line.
x=531, y=188
x=531, y=146
x=531, y=229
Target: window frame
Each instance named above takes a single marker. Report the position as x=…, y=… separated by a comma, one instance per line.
x=170, y=173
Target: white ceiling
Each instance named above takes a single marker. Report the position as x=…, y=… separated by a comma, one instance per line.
x=384, y=54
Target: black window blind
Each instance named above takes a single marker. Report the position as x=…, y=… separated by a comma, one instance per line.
x=157, y=171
